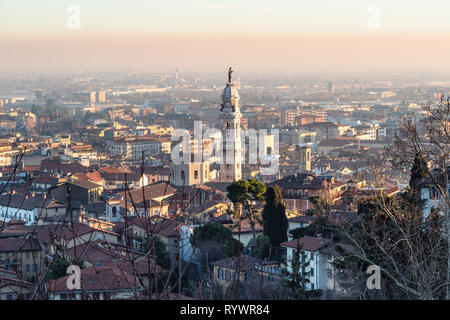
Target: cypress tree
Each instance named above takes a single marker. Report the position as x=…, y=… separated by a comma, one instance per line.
x=274, y=217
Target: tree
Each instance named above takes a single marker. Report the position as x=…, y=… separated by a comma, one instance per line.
x=58, y=268
x=274, y=218
x=263, y=247
x=215, y=242
x=296, y=278
x=245, y=194
x=320, y=207
x=410, y=248
x=418, y=172
x=161, y=254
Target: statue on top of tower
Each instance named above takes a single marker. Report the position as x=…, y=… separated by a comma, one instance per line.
x=230, y=72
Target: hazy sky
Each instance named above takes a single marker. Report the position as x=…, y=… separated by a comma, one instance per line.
x=209, y=35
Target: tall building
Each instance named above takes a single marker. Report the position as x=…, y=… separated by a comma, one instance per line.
x=331, y=87
x=287, y=117
x=101, y=96
x=305, y=158
x=229, y=123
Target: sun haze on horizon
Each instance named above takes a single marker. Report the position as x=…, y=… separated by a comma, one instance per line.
x=202, y=35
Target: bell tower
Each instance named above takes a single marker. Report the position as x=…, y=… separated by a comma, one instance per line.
x=230, y=125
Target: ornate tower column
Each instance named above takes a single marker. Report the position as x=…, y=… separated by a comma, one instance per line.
x=230, y=125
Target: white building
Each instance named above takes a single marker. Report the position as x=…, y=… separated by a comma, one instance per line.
x=132, y=147
x=230, y=124
x=16, y=207
x=317, y=255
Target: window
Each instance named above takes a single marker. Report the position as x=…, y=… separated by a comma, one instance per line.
x=312, y=286
x=182, y=175
x=35, y=267
x=196, y=174
x=311, y=255
x=219, y=273
x=227, y=275
x=9, y=297
x=28, y=267
x=303, y=257
x=312, y=272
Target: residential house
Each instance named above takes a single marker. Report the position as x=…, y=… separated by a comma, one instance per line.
x=317, y=255
x=22, y=255
x=298, y=189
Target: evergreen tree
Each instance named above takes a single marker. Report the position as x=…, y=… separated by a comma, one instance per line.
x=296, y=279
x=274, y=217
x=214, y=241
x=245, y=194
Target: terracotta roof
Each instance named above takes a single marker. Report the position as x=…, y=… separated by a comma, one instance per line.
x=46, y=233
x=157, y=170
x=26, y=202
x=95, y=253
x=19, y=244
x=246, y=228
x=93, y=176
x=46, y=179
x=98, y=279
x=121, y=170
x=165, y=227
x=307, y=243
x=86, y=184
x=151, y=191
x=220, y=186
x=305, y=180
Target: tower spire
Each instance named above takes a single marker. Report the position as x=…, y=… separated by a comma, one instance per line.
x=230, y=123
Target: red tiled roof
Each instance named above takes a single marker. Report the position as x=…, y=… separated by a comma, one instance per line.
x=98, y=279
x=307, y=243
x=19, y=244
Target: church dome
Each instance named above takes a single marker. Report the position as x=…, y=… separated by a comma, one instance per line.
x=230, y=92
